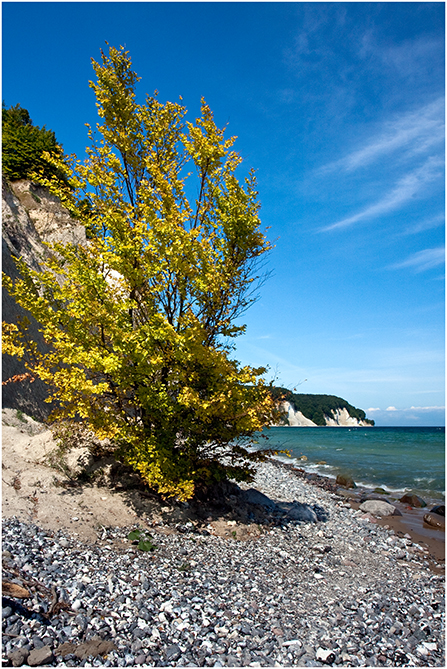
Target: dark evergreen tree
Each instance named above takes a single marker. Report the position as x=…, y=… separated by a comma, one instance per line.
x=23, y=146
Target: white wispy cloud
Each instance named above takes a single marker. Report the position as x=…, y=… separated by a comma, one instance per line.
x=423, y=260
x=425, y=409
x=410, y=58
x=426, y=224
x=405, y=413
x=413, y=132
x=406, y=188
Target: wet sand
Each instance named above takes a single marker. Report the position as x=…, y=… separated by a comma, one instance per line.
x=411, y=522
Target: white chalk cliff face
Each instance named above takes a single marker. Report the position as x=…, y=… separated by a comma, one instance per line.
x=296, y=418
x=31, y=216
x=339, y=418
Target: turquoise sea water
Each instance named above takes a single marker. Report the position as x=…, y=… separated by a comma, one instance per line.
x=394, y=458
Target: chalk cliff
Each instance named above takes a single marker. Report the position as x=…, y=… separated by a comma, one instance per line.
x=31, y=216
x=295, y=418
x=338, y=418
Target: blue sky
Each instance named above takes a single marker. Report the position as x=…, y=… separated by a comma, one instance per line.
x=340, y=109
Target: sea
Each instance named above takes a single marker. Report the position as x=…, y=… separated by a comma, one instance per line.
x=397, y=459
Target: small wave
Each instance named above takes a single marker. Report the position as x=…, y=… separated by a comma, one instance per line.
x=339, y=449
x=388, y=489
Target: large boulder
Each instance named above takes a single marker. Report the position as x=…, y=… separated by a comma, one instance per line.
x=439, y=509
x=435, y=520
x=365, y=495
x=379, y=508
x=345, y=481
x=252, y=496
x=413, y=500
x=298, y=511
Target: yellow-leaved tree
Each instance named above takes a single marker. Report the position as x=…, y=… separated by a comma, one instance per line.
x=139, y=320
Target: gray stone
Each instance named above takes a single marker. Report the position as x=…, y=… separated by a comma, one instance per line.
x=302, y=512
x=40, y=656
x=14, y=629
x=144, y=614
x=138, y=633
x=252, y=496
x=414, y=610
x=379, y=508
x=309, y=650
x=413, y=500
x=18, y=657
x=94, y=647
x=47, y=640
x=6, y=611
x=81, y=621
x=136, y=645
x=345, y=481
x=172, y=652
x=140, y=659
x=37, y=642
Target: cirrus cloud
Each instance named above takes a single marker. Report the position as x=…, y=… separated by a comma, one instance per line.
x=407, y=187
x=423, y=260
x=412, y=132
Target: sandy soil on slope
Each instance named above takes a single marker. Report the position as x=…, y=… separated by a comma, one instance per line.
x=36, y=488
x=35, y=492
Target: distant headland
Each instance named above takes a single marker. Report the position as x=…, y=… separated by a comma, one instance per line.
x=305, y=410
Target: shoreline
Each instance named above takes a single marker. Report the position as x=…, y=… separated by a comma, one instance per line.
x=317, y=463
x=244, y=583
x=409, y=523
x=311, y=469
x=338, y=592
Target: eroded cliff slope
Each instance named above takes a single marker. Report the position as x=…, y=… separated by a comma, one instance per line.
x=31, y=216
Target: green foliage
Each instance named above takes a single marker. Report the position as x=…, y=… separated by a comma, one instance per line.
x=139, y=321
x=184, y=567
x=19, y=415
x=316, y=407
x=144, y=540
x=26, y=148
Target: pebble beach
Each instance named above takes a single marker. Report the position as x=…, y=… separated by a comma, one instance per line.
x=342, y=591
